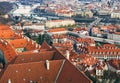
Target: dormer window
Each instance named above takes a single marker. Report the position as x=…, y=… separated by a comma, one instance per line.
x=103, y=53
x=115, y=53
x=111, y=53
x=89, y=52
x=96, y=52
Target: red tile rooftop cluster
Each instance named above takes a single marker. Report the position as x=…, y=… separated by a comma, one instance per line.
x=28, y=62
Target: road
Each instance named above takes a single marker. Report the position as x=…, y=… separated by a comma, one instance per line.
x=96, y=38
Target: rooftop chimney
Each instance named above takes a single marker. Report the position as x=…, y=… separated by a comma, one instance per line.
x=47, y=64
x=9, y=81
x=67, y=54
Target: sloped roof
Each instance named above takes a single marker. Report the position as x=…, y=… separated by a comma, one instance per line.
x=5, y=34
x=18, y=43
x=4, y=27
x=57, y=30
x=45, y=46
x=70, y=74
x=34, y=57
x=61, y=71
x=8, y=51
x=32, y=45
x=24, y=43
x=88, y=59
x=35, y=71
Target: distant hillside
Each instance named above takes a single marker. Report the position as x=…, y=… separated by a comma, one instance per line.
x=5, y=7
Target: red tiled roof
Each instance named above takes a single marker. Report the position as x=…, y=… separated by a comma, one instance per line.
x=6, y=34
x=8, y=51
x=115, y=63
x=65, y=44
x=32, y=45
x=60, y=71
x=79, y=29
x=18, y=43
x=103, y=52
x=45, y=46
x=88, y=59
x=57, y=30
x=4, y=27
x=54, y=36
x=28, y=44
x=34, y=57
x=36, y=71
x=112, y=46
x=87, y=40
x=67, y=75
x=73, y=55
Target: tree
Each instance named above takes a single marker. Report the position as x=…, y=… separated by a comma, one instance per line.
x=40, y=39
x=117, y=80
x=47, y=38
x=94, y=79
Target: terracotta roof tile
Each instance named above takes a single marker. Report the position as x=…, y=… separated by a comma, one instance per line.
x=4, y=27
x=36, y=71
x=6, y=34
x=8, y=51
x=45, y=46
x=18, y=43
x=67, y=75
x=115, y=63
x=57, y=30
x=32, y=45
x=34, y=57
x=88, y=59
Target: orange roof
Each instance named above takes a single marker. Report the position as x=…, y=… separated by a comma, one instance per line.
x=67, y=44
x=28, y=44
x=45, y=46
x=103, y=52
x=79, y=29
x=56, y=20
x=54, y=36
x=109, y=45
x=34, y=57
x=5, y=34
x=115, y=63
x=36, y=71
x=18, y=43
x=67, y=75
x=8, y=51
x=4, y=27
x=83, y=40
x=88, y=59
x=57, y=30
x=32, y=45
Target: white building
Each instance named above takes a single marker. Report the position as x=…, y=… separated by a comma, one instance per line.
x=30, y=26
x=23, y=11
x=115, y=37
x=59, y=23
x=115, y=15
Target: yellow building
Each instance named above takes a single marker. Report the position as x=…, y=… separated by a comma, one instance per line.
x=87, y=14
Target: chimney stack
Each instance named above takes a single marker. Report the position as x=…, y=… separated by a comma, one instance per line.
x=9, y=81
x=67, y=54
x=47, y=64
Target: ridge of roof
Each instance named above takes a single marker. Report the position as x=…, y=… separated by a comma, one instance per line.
x=45, y=46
